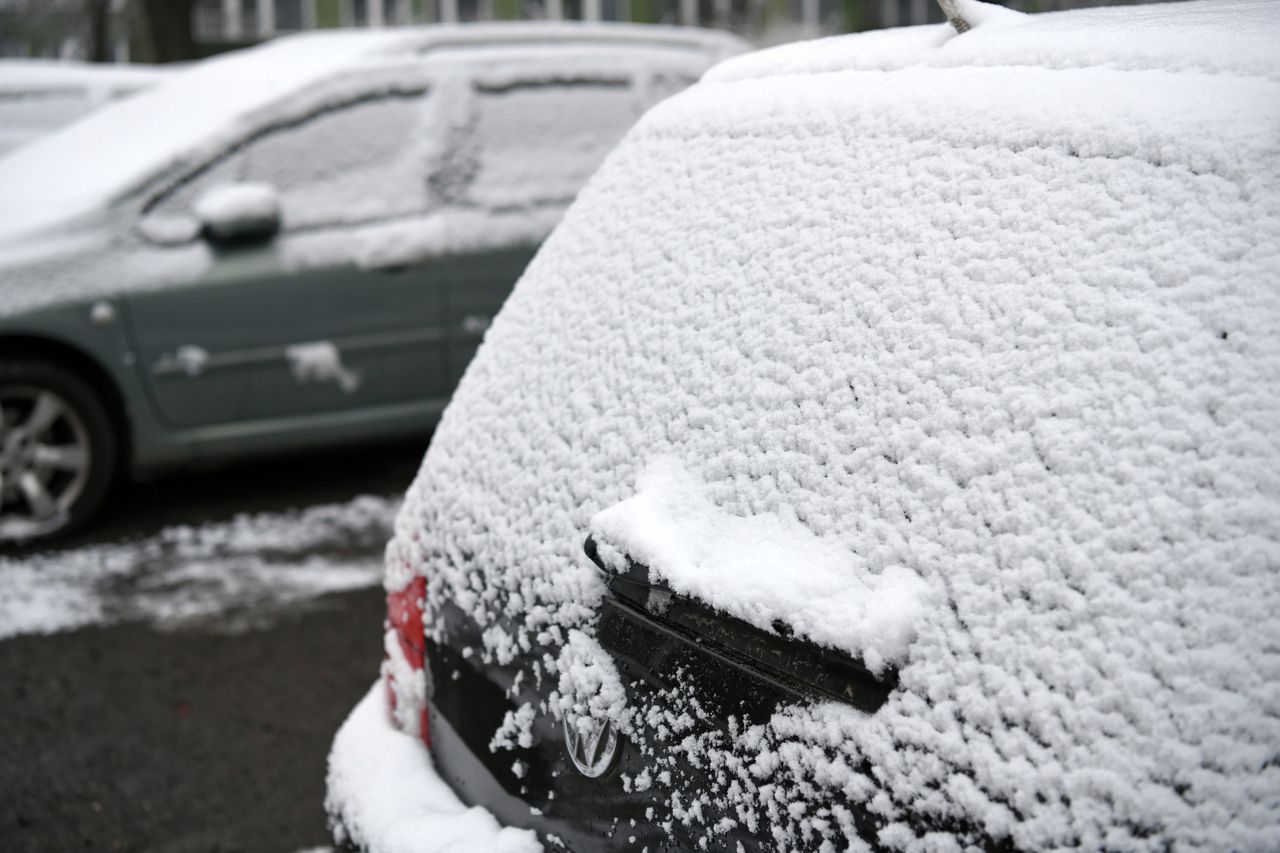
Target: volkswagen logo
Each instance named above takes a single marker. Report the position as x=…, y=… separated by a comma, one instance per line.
x=592, y=744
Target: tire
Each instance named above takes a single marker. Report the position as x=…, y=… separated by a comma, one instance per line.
x=58, y=451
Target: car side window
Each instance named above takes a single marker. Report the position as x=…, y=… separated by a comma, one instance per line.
x=359, y=161
x=539, y=141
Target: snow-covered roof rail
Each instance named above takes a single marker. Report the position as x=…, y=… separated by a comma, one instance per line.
x=1231, y=37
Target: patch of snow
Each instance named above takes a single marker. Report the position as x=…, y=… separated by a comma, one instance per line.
x=418, y=239
x=1009, y=324
x=230, y=209
x=589, y=685
x=763, y=568
x=516, y=729
x=320, y=361
x=409, y=683
x=226, y=575
x=190, y=359
x=102, y=313
x=388, y=798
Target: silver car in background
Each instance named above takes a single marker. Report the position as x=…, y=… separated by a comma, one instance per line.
x=291, y=246
x=39, y=96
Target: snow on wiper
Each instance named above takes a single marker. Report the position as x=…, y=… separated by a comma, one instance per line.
x=655, y=618
x=763, y=569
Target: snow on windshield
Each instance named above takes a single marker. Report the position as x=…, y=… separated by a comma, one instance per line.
x=1014, y=330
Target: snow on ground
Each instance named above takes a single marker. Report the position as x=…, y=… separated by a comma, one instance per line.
x=320, y=361
x=228, y=574
x=384, y=789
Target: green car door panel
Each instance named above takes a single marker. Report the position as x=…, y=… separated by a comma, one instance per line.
x=478, y=285
x=255, y=341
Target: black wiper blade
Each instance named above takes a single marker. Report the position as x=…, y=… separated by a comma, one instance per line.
x=800, y=667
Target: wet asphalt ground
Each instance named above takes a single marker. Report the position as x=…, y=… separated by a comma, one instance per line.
x=126, y=737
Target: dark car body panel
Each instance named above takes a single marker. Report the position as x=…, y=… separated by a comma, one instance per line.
x=662, y=645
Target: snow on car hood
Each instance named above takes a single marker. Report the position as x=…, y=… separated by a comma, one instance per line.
x=1014, y=329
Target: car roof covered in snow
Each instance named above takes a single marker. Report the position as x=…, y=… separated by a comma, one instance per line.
x=956, y=353
x=112, y=152
x=1227, y=37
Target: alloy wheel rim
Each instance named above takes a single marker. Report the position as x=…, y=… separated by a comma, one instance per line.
x=44, y=461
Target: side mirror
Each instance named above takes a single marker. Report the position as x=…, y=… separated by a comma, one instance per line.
x=238, y=213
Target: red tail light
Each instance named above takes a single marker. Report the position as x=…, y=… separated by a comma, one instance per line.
x=404, y=613
x=404, y=667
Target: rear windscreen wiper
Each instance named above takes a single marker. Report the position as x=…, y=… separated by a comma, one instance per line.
x=795, y=666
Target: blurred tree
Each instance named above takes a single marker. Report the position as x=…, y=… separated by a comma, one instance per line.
x=854, y=15
x=328, y=13
x=97, y=17
x=46, y=29
x=646, y=11
x=168, y=26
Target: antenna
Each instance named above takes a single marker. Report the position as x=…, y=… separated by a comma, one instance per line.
x=951, y=8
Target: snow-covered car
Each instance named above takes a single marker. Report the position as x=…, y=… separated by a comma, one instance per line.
x=293, y=245
x=883, y=453
x=38, y=96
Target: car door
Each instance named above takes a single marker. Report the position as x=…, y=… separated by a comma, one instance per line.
x=533, y=142
x=319, y=318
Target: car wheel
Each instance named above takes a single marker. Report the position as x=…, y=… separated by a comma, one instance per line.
x=57, y=450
